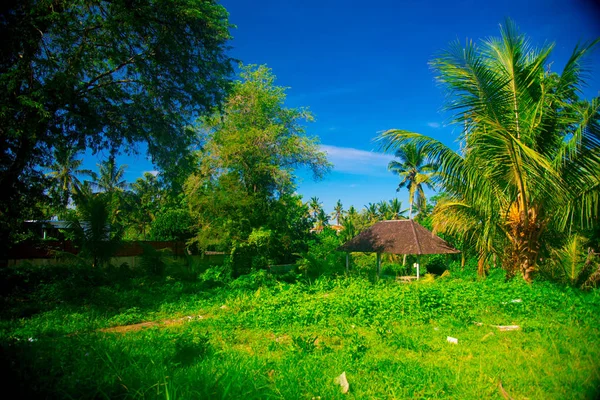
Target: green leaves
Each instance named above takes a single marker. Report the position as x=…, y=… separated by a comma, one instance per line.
x=529, y=161
x=100, y=75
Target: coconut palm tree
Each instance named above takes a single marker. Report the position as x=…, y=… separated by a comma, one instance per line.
x=322, y=221
x=338, y=212
x=111, y=177
x=395, y=209
x=96, y=238
x=314, y=207
x=351, y=213
x=415, y=172
x=383, y=210
x=530, y=163
x=371, y=213
x=65, y=171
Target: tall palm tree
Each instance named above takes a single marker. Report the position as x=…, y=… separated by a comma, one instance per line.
x=338, y=212
x=371, y=213
x=395, y=209
x=65, y=171
x=530, y=167
x=383, y=210
x=314, y=207
x=322, y=221
x=415, y=171
x=351, y=213
x=111, y=178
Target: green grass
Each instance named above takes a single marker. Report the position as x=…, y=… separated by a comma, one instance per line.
x=279, y=340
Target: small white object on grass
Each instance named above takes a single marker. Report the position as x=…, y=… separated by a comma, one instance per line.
x=507, y=327
x=516, y=301
x=224, y=307
x=343, y=382
x=452, y=340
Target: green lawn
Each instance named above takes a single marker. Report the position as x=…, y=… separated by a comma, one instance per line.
x=256, y=338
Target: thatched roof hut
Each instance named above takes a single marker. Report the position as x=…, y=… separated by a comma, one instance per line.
x=398, y=237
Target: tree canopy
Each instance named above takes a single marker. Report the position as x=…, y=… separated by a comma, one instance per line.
x=103, y=74
x=245, y=179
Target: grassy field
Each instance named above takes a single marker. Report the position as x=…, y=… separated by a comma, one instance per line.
x=258, y=338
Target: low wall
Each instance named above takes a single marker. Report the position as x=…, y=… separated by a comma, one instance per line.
x=45, y=253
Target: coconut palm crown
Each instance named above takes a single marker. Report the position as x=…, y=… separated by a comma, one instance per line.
x=415, y=172
x=530, y=165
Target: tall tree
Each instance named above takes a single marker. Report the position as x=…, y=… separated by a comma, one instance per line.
x=314, y=207
x=371, y=212
x=383, y=210
x=415, y=172
x=338, y=212
x=64, y=173
x=147, y=197
x=395, y=209
x=530, y=168
x=102, y=74
x=251, y=149
x=111, y=177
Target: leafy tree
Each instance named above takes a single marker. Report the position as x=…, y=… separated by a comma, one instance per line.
x=64, y=173
x=415, y=172
x=258, y=140
x=102, y=74
x=530, y=168
x=172, y=224
x=245, y=173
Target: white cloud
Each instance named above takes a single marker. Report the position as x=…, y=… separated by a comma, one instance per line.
x=355, y=161
x=435, y=125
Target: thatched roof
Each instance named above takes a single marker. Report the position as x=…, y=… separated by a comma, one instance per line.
x=398, y=237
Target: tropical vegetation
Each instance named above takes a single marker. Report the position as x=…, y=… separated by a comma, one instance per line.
x=234, y=286
x=527, y=178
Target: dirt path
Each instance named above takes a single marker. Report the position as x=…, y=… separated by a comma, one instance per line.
x=150, y=324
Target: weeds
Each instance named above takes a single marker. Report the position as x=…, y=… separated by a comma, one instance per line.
x=260, y=338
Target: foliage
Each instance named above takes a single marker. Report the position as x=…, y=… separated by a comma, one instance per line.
x=92, y=230
x=143, y=203
x=153, y=261
x=338, y=212
x=528, y=171
x=111, y=177
x=416, y=171
x=172, y=224
x=245, y=176
x=63, y=174
x=322, y=257
x=262, y=339
x=102, y=74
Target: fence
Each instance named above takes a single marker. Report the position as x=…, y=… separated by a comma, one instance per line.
x=48, y=252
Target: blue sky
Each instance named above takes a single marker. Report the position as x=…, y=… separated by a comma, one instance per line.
x=362, y=67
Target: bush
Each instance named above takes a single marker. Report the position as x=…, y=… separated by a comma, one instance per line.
x=322, y=257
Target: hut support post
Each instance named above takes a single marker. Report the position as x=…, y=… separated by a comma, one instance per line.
x=378, y=265
x=347, y=263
